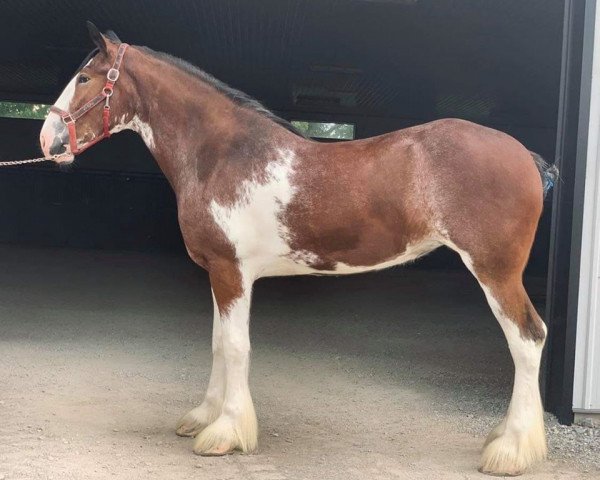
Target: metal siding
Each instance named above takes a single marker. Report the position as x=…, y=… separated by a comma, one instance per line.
x=586, y=386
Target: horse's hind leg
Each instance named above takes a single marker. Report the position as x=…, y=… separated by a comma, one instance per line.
x=519, y=440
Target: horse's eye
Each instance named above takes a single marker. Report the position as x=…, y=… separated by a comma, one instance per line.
x=83, y=78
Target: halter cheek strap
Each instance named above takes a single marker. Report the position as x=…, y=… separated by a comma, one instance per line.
x=69, y=119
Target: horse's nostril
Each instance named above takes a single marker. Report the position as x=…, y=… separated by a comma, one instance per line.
x=57, y=147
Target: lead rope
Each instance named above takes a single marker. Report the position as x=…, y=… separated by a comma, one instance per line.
x=29, y=160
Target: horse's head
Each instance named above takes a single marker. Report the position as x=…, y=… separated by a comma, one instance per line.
x=92, y=102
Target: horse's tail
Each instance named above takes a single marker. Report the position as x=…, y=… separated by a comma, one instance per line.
x=549, y=173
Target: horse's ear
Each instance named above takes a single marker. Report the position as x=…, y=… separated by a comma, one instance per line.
x=97, y=37
x=112, y=36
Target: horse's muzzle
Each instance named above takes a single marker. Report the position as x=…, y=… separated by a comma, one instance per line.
x=54, y=139
x=57, y=147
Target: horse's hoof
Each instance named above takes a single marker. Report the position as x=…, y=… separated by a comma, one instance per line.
x=193, y=422
x=225, y=435
x=510, y=454
x=496, y=474
x=188, y=430
x=219, y=451
x=218, y=439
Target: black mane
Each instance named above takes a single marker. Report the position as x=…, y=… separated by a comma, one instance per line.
x=237, y=96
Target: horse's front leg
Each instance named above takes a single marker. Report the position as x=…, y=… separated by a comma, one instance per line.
x=236, y=426
x=198, y=418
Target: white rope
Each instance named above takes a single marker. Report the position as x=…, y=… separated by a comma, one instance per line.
x=30, y=160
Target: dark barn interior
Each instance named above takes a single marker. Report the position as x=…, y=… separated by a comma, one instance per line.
x=379, y=65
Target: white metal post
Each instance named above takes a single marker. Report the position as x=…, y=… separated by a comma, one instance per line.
x=586, y=385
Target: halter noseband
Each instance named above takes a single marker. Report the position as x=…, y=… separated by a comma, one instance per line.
x=69, y=119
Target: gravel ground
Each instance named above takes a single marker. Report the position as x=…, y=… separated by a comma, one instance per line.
x=396, y=375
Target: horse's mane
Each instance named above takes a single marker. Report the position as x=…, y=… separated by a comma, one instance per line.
x=237, y=96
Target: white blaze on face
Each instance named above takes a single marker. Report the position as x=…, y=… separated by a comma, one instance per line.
x=54, y=131
x=64, y=101
x=54, y=127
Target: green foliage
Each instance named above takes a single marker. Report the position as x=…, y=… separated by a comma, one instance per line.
x=339, y=131
x=37, y=111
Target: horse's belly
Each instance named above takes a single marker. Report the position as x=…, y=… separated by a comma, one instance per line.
x=303, y=262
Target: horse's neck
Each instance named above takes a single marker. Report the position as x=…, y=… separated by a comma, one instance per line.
x=173, y=117
x=190, y=128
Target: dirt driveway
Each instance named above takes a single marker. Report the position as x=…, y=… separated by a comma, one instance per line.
x=101, y=353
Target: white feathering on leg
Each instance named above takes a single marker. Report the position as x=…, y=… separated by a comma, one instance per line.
x=236, y=427
x=519, y=441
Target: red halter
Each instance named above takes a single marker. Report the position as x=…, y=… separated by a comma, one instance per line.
x=70, y=118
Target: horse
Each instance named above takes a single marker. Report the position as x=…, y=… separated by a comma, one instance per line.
x=256, y=198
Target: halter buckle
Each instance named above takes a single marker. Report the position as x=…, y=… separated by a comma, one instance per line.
x=113, y=75
x=68, y=118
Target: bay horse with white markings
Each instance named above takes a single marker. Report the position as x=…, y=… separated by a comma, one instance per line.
x=255, y=199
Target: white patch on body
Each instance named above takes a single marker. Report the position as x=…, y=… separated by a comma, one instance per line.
x=304, y=257
x=252, y=224
x=137, y=125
